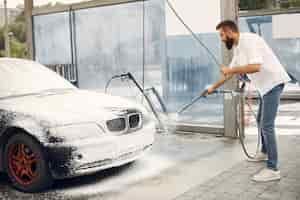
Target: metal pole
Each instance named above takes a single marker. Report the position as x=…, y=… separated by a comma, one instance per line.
x=6, y=36
x=28, y=6
x=229, y=10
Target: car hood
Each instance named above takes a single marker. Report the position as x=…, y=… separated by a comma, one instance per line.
x=71, y=107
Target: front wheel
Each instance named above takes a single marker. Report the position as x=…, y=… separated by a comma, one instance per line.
x=25, y=164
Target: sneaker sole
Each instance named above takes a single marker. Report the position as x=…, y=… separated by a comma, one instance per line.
x=266, y=180
x=253, y=160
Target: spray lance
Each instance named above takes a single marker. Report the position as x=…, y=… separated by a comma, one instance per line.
x=204, y=94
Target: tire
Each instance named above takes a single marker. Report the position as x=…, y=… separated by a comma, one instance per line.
x=26, y=164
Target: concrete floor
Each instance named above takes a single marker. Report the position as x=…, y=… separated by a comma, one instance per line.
x=176, y=164
x=236, y=183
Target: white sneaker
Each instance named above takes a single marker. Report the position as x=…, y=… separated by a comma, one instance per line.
x=266, y=175
x=259, y=157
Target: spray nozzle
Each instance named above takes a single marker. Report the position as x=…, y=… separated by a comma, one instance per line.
x=122, y=76
x=204, y=93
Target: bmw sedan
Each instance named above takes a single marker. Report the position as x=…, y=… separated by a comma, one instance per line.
x=51, y=130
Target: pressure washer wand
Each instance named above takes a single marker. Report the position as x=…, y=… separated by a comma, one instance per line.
x=203, y=95
x=185, y=107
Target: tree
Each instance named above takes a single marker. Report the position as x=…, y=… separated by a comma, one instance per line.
x=256, y=4
x=2, y=45
x=18, y=40
x=267, y=4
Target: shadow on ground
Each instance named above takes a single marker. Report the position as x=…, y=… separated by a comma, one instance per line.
x=7, y=192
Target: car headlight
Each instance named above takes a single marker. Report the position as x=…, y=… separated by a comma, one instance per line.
x=75, y=132
x=116, y=125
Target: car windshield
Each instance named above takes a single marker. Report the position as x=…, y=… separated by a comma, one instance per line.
x=21, y=77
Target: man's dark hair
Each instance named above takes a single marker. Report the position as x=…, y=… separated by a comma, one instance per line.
x=228, y=24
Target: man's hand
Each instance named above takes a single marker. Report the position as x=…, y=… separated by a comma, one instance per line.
x=209, y=91
x=226, y=71
x=219, y=83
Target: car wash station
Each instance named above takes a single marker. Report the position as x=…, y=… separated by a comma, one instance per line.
x=163, y=56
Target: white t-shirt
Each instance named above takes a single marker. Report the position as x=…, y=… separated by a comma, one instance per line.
x=252, y=49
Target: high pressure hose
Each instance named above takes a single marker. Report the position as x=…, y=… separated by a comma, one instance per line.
x=192, y=32
x=240, y=128
x=239, y=124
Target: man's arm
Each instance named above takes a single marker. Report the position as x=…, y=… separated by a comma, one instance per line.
x=248, y=69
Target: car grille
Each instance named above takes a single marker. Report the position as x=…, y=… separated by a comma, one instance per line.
x=134, y=120
x=126, y=123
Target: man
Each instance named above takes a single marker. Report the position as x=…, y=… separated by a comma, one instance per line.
x=252, y=56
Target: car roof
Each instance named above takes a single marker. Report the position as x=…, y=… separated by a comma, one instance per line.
x=23, y=76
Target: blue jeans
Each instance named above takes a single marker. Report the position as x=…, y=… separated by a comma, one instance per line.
x=266, y=121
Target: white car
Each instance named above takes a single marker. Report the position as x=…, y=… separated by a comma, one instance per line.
x=50, y=129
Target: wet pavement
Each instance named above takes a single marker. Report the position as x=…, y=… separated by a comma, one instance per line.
x=176, y=167
x=236, y=184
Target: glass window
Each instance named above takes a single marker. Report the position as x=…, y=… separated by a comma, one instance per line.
x=155, y=47
x=52, y=38
x=109, y=41
x=146, y=39
x=189, y=68
x=286, y=48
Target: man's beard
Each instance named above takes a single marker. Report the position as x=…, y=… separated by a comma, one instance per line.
x=229, y=43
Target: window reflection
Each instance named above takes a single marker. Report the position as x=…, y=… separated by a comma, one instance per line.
x=189, y=70
x=287, y=50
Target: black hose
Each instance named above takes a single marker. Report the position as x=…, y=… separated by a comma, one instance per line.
x=192, y=32
x=241, y=138
x=241, y=135
x=108, y=83
x=126, y=75
x=239, y=127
